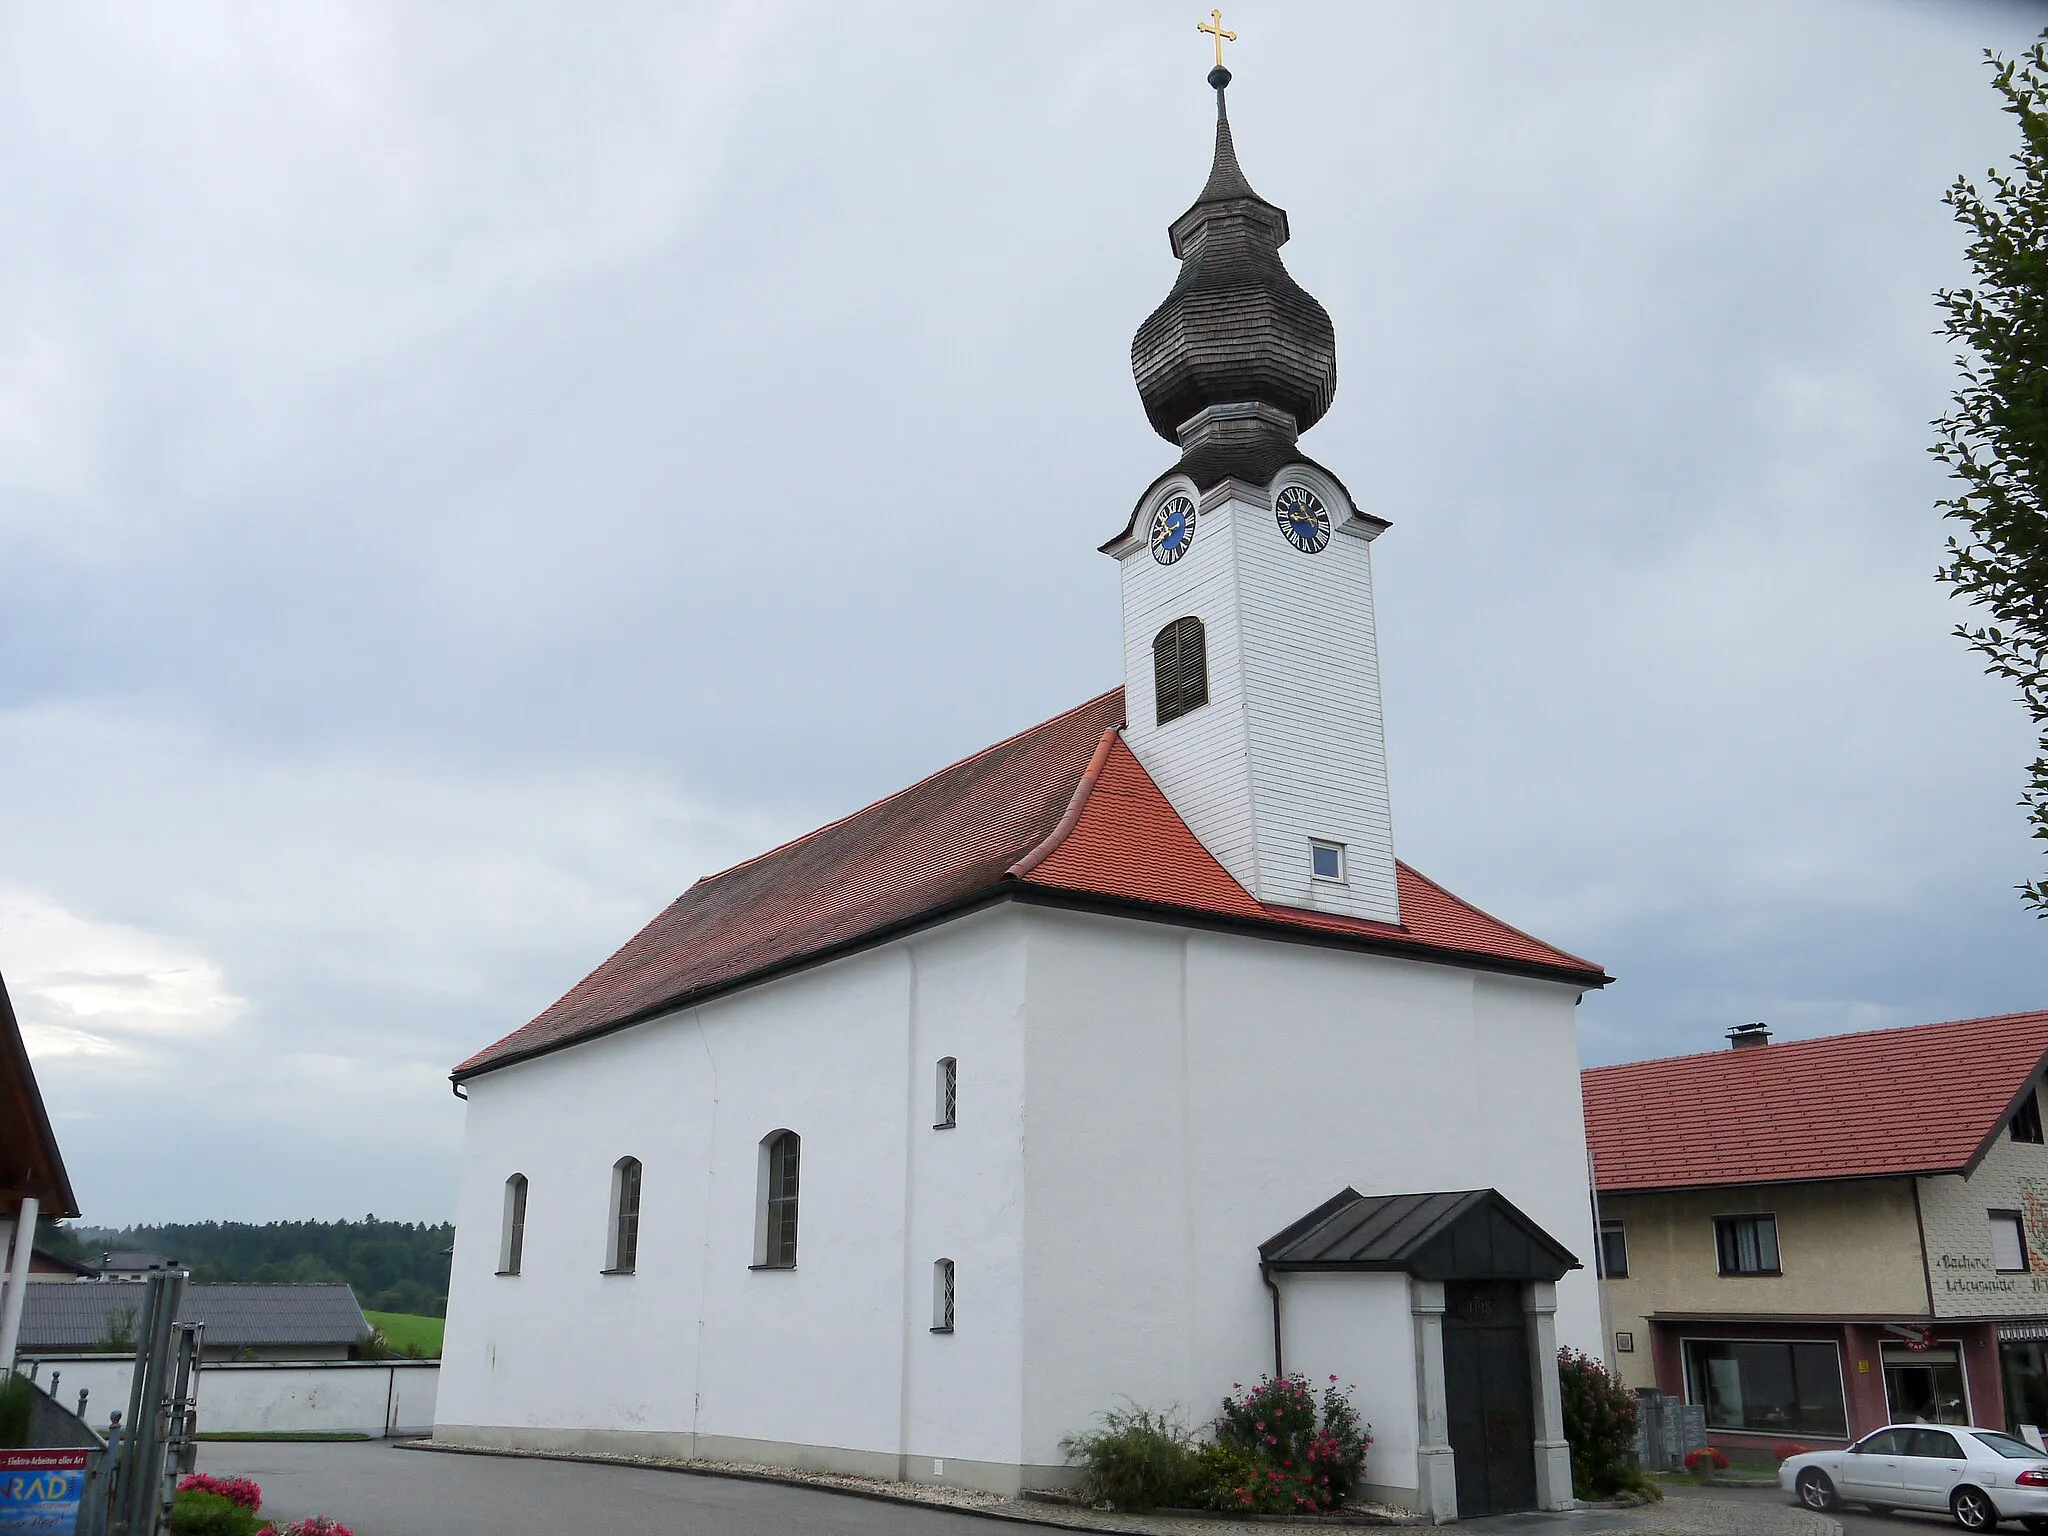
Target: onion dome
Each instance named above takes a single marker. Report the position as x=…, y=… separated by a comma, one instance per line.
x=1239, y=359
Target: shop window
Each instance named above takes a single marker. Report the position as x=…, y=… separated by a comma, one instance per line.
x=1925, y=1388
x=1613, y=1251
x=1747, y=1245
x=2026, y=1120
x=2008, y=1243
x=1768, y=1386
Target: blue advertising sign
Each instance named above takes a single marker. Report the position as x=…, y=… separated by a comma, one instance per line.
x=40, y=1490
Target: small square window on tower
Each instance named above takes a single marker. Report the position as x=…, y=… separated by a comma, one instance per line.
x=1326, y=860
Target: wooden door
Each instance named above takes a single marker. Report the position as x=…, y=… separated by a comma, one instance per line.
x=1489, y=1396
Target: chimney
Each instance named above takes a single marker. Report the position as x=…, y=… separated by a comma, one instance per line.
x=1743, y=1036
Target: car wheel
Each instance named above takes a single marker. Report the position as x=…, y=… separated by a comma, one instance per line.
x=1973, y=1509
x=1815, y=1490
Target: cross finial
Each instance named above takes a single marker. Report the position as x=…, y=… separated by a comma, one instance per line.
x=1214, y=27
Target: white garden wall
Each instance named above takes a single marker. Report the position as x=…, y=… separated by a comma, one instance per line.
x=368, y=1397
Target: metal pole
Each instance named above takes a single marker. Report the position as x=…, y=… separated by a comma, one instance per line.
x=17, y=1281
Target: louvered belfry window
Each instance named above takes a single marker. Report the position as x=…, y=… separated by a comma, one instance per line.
x=1180, y=668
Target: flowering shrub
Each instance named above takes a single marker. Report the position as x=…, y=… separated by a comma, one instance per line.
x=314, y=1525
x=1280, y=1451
x=195, y=1512
x=236, y=1490
x=1706, y=1461
x=1599, y=1424
x=1785, y=1450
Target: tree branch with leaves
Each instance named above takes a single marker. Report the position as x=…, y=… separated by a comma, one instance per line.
x=1995, y=441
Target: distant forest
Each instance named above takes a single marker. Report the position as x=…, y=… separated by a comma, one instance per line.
x=395, y=1266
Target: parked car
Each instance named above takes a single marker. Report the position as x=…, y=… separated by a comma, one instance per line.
x=1980, y=1476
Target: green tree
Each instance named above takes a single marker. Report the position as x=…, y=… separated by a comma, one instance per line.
x=1995, y=442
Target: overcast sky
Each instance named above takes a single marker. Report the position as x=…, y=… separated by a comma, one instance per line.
x=466, y=471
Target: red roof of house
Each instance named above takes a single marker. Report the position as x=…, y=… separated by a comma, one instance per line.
x=1928, y=1098
x=1061, y=809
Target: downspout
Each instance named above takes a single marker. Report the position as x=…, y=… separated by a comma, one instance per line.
x=1265, y=1274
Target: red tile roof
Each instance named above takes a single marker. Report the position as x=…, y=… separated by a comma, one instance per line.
x=1923, y=1099
x=1062, y=809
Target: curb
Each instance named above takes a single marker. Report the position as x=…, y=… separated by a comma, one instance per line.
x=877, y=1495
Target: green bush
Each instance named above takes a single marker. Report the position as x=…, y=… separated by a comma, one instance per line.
x=208, y=1514
x=15, y=1392
x=1139, y=1459
x=1600, y=1423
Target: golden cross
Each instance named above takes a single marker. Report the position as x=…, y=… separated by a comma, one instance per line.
x=1214, y=27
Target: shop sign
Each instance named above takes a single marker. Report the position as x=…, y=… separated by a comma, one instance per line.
x=40, y=1491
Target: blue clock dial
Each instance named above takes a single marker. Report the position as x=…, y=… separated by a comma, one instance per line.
x=1173, y=530
x=1302, y=518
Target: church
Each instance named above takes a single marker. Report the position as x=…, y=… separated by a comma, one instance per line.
x=1120, y=1062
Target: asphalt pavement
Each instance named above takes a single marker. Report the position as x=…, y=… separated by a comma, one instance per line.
x=378, y=1490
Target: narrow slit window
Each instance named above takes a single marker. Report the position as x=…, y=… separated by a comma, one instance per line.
x=622, y=1249
x=942, y=1296
x=512, y=1236
x=946, y=1100
x=1180, y=669
x=775, y=1231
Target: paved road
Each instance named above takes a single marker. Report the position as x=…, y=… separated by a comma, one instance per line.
x=1857, y=1521
x=378, y=1490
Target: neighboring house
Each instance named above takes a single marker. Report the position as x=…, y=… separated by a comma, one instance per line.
x=243, y=1322
x=1813, y=1239
x=919, y=1142
x=33, y=1183
x=44, y=1265
x=133, y=1264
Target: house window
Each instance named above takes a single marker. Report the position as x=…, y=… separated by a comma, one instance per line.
x=622, y=1247
x=947, y=1097
x=775, y=1230
x=2008, y=1243
x=1767, y=1386
x=512, y=1234
x=2026, y=1120
x=942, y=1296
x=1180, y=669
x=1326, y=860
x=1747, y=1245
x=1613, y=1251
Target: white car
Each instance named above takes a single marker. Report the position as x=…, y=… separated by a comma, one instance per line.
x=1980, y=1476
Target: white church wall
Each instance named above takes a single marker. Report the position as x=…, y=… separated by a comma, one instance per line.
x=1190, y=1094
x=1359, y=1329
x=829, y=1364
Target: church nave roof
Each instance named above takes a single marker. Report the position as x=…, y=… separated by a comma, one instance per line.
x=1062, y=813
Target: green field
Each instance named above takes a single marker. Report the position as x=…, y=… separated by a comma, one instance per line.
x=403, y=1329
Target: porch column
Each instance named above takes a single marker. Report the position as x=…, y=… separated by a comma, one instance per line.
x=1436, y=1469
x=17, y=1282
x=1553, y=1452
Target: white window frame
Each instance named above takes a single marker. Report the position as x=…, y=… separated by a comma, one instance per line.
x=1321, y=845
x=762, y=1195
x=512, y=1231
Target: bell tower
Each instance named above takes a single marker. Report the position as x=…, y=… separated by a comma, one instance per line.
x=1251, y=671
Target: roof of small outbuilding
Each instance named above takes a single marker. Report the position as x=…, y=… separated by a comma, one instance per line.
x=1924, y=1099
x=1467, y=1234
x=1063, y=813
x=31, y=1165
x=77, y=1315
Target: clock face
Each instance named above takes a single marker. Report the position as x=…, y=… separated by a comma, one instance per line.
x=1173, y=530
x=1302, y=519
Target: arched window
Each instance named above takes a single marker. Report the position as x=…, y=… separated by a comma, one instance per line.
x=512, y=1234
x=942, y=1296
x=946, y=1098
x=622, y=1246
x=775, y=1212
x=1180, y=668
